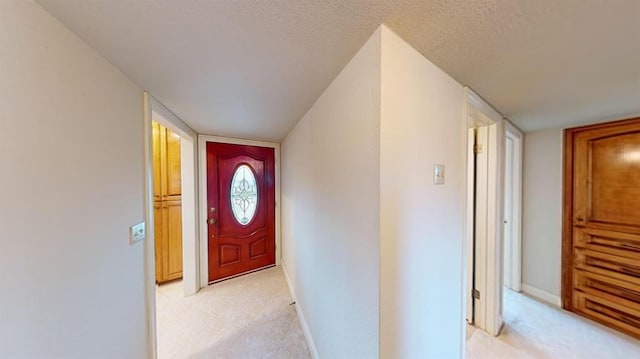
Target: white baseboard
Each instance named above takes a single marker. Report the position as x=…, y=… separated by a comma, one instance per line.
x=542, y=295
x=303, y=322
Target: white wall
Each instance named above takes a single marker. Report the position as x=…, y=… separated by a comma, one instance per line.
x=330, y=207
x=190, y=250
x=71, y=184
x=421, y=223
x=542, y=214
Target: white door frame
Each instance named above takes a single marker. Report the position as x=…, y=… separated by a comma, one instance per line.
x=487, y=311
x=469, y=221
x=513, y=220
x=154, y=110
x=202, y=150
x=189, y=190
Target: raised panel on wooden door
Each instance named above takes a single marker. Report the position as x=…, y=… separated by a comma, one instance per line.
x=612, y=266
x=258, y=248
x=606, y=287
x=615, y=192
x=607, y=180
x=229, y=254
x=608, y=312
x=159, y=237
x=607, y=241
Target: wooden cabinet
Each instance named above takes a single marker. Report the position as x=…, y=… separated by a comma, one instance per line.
x=167, y=204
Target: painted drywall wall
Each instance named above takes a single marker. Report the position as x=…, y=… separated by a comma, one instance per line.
x=330, y=208
x=421, y=224
x=542, y=214
x=71, y=185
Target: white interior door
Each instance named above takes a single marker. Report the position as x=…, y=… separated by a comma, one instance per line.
x=512, y=208
x=508, y=204
x=482, y=226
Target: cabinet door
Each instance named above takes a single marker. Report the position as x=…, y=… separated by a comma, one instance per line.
x=173, y=230
x=167, y=203
x=168, y=226
x=171, y=162
x=159, y=241
x=157, y=160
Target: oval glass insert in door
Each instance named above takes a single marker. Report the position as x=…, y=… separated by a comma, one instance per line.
x=244, y=194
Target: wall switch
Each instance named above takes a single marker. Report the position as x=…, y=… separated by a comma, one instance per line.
x=137, y=233
x=438, y=174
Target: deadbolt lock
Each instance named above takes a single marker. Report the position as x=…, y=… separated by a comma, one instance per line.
x=212, y=221
x=212, y=209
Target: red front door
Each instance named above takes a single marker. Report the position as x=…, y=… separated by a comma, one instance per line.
x=241, y=209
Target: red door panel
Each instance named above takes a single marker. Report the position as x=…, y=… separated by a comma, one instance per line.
x=243, y=241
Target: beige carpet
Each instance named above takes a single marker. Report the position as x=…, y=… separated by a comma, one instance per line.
x=536, y=330
x=244, y=317
x=250, y=317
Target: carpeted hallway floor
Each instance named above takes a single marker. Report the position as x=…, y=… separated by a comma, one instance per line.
x=540, y=331
x=244, y=317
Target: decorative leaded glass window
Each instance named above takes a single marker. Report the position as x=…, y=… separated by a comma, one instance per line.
x=244, y=195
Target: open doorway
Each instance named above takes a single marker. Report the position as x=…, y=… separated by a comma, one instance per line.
x=484, y=215
x=172, y=246
x=167, y=201
x=493, y=210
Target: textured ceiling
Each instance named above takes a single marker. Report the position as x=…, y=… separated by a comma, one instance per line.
x=251, y=69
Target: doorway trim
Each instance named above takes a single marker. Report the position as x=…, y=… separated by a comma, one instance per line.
x=190, y=247
x=202, y=199
x=486, y=269
x=188, y=175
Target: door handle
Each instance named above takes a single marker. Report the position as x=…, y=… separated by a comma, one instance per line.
x=212, y=221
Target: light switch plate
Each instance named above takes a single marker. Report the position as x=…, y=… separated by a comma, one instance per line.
x=137, y=232
x=438, y=174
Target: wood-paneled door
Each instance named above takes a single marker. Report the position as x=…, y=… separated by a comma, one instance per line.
x=240, y=209
x=601, y=239
x=167, y=195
